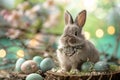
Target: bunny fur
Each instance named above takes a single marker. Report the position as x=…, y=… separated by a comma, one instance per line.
x=73, y=48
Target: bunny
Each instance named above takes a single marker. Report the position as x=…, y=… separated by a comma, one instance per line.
x=73, y=48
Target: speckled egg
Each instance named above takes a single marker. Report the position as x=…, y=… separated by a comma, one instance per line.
x=101, y=66
x=34, y=76
x=18, y=64
x=87, y=66
x=29, y=66
x=47, y=64
x=38, y=60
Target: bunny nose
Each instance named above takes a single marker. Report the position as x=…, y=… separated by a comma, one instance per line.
x=72, y=40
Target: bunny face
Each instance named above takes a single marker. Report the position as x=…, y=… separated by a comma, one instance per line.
x=72, y=32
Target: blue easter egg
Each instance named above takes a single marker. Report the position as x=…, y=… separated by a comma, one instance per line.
x=47, y=64
x=38, y=60
x=34, y=76
x=18, y=64
x=101, y=66
x=87, y=66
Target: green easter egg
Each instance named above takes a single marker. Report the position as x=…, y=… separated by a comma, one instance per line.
x=113, y=66
x=47, y=64
x=38, y=60
x=34, y=76
x=87, y=66
x=18, y=64
x=101, y=66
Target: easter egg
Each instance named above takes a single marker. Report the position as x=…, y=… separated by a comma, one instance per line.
x=18, y=64
x=47, y=64
x=34, y=76
x=38, y=60
x=87, y=66
x=29, y=66
x=101, y=66
x=113, y=66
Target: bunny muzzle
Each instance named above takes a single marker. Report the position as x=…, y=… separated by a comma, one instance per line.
x=71, y=40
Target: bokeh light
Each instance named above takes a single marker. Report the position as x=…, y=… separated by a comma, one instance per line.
x=2, y=53
x=20, y=53
x=33, y=43
x=90, y=5
x=111, y=30
x=99, y=33
x=87, y=35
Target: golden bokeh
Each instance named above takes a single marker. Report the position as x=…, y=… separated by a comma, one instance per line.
x=2, y=53
x=99, y=33
x=111, y=30
x=87, y=35
x=33, y=43
x=20, y=53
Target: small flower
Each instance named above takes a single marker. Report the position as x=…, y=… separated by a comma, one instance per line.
x=30, y=14
x=36, y=8
x=13, y=33
x=15, y=14
x=46, y=54
x=38, y=37
x=24, y=6
x=13, y=19
x=48, y=3
x=52, y=20
x=4, y=12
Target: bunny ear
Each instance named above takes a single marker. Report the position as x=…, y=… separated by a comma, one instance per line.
x=81, y=18
x=68, y=18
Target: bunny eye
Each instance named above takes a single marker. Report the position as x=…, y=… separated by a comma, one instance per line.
x=76, y=33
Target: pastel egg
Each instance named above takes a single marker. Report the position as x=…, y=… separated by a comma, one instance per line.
x=38, y=60
x=18, y=64
x=101, y=66
x=87, y=66
x=47, y=64
x=29, y=66
x=34, y=76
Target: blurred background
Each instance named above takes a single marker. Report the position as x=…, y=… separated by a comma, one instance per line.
x=33, y=27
